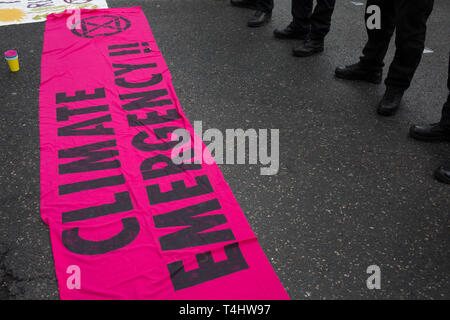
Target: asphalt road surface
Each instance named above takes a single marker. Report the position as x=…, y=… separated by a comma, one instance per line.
x=352, y=191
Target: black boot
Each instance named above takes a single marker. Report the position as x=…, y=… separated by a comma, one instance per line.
x=430, y=132
x=290, y=32
x=259, y=19
x=359, y=72
x=308, y=48
x=391, y=101
x=243, y=4
x=442, y=174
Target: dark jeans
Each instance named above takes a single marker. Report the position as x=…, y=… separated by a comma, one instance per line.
x=264, y=5
x=316, y=22
x=445, y=119
x=408, y=18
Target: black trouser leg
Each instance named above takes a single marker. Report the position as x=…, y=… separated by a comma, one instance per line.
x=321, y=19
x=264, y=5
x=378, y=42
x=445, y=119
x=301, y=13
x=411, y=23
x=317, y=22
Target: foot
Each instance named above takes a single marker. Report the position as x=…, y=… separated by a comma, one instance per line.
x=442, y=174
x=309, y=48
x=391, y=101
x=259, y=19
x=290, y=32
x=358, y=72
x=243, y=4
x=430, y=132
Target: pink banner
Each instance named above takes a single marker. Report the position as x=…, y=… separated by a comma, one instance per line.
x=125, y=221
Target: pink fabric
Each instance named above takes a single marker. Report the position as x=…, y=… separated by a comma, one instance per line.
x=135, y=266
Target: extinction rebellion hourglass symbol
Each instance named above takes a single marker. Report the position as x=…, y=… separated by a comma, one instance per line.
x=99, y=26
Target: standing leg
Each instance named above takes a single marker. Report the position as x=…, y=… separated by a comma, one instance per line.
x=321, y=19
x=300, y=26
x=370, y=66
x=301, y=14
x=412, y=16
x=262, y=14
x=443, y=173
x=437, y=132
x=320, y=22
x=445, y=119
x=411, y=23
x=378, y=39
x=264, y=5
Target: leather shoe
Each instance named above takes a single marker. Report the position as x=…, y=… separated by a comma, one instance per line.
x=358, y=72
x=430, y=132
x=259, y=19
x=390, y=102
x=290, y=32
x=308, y=48
x=442, y=174
x=243, y=4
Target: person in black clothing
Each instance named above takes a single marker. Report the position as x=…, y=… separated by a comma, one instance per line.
x=263, y=10
x=437, y=132
x=308, y=25
x=409, y=19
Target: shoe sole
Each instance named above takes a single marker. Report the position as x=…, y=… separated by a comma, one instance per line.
x=309, y=54
x=261, y=24
x=370, y=80
x=387, y=113
x=257, y=25
x=415, y=136
x=440, y=178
